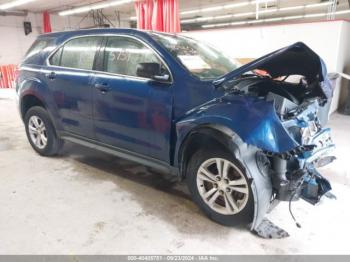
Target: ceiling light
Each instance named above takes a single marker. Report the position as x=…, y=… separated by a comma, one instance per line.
x=253, y=13
x=238, y=23
x=293, y=17
x=88, y=8
x=204, y=19
x=195, y=20
x=14, y=4
x=227, y=6
x=262, y=1
x=342, y=12
x=231, y=6
x=291, y=8
x=211, y=9
x=201, y=19
x=220, y=17
x=188, y=21
x=303, y=6
x=189, y=12
x=101, y=6
x=275, y=19
x=244, y=14
x=318, y=5
x=255, y=21
x=314, y=15
x=216, y=25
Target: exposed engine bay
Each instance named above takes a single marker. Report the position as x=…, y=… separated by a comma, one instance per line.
x=299, y=106
x=294, y=93
x=288, y=97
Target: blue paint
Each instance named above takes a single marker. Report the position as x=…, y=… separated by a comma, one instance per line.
x=253, y=119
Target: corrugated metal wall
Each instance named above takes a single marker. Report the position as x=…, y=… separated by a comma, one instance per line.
x=8, y=76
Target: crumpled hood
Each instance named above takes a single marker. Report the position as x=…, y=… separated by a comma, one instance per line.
x=297, y=59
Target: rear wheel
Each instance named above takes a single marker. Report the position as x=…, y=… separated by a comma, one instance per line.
x=220, y=187
x=41, y=133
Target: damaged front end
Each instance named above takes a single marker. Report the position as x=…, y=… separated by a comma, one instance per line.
x=294, y=173
x=293, y=94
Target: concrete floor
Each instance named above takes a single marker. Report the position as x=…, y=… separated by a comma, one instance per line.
x=86, y=202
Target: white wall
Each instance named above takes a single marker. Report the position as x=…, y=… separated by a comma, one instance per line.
x=329, y=39
x=344, y=61
x=14, y=43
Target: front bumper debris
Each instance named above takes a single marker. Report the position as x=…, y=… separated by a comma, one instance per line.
x=267, y=229
x=294, y=175
x=321, y=154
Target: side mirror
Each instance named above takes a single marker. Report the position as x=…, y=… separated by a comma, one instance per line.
x=152, y=71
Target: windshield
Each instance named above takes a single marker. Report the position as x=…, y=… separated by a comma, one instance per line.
x=200, y=59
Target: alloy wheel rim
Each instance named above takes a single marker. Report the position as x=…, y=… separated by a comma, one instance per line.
x=222, y=186
x=37, y=132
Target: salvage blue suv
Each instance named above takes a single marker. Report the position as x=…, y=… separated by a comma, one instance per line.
x=243, y=136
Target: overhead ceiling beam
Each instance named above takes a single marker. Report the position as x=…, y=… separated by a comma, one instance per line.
x=13, y=13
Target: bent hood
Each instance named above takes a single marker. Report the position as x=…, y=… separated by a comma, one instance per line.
x=297, y=59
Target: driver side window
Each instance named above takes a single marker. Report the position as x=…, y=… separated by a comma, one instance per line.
x=123, y=54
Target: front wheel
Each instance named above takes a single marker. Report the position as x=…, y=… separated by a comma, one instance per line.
x=220, y=187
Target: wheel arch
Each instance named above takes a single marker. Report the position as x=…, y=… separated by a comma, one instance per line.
x=30, y=98
x=28, y=101
x=32, y=93
x=212, y=135
x=243, y=152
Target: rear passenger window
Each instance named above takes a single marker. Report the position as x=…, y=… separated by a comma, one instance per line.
x=77, y=53
x=123, y=54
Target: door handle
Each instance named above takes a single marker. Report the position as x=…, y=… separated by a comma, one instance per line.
x=51, y=75
x=103, y=88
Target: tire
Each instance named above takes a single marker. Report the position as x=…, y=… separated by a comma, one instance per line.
x=222, y=210
x=38, y=124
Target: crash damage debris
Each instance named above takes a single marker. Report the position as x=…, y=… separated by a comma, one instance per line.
x=267, y=229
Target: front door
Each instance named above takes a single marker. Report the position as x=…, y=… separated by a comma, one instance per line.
x=130, y=112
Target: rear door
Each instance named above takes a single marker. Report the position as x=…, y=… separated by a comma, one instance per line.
x=131, y=112
x=69, y=79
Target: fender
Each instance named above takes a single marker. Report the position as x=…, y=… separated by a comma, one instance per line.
x=254, y=120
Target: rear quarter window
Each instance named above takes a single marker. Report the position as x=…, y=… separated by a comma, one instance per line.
x=33, y=53
x=55, y=59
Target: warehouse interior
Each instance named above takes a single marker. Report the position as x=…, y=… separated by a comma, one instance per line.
x=87, y=202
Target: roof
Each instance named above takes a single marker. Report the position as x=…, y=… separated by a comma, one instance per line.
x=98, y=31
